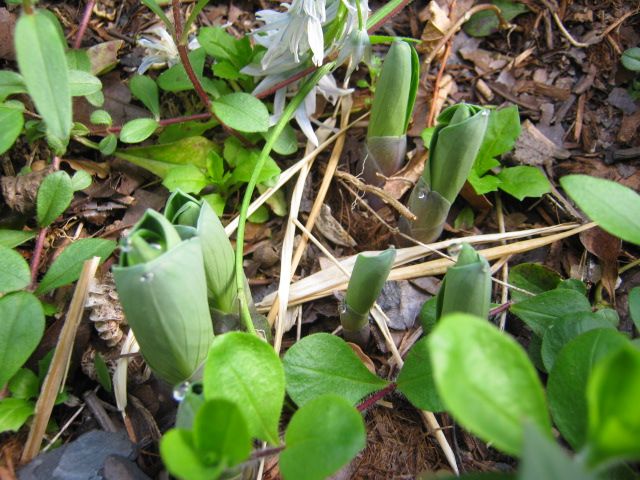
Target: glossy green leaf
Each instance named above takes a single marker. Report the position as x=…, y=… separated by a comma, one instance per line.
x=14, y=412
x=11, y=83
x=574, y=284
x=542, y=458
x=543, y=310
x=101, y=117
x=566, y=329
x=523, y=181
x=175, y=79
x=323, y=363
x=245, y=370
x=83, y=83
x=631, y=59
x=13, y=238
x=486, y=381
x=145, y=89
x=614, y=207
x=322, y=437
x=634, y=306
x=502, y=132
x=14, y=271
x=54, y=196
x=138, y=130
x=220, y=433
x=187, y=178
x=566, y=385
x=11, y=123
x=43, y=65
x=24, y=384
x=533, y=278
x=108, y=144
x=67, y=266
x=183, y=460
x=21, y=329
x=242, y=112
x=613, y=392
x=416, y=379
x=160, y=159
x=486, y=22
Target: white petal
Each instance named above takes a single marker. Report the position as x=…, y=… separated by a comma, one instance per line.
x=302, y=118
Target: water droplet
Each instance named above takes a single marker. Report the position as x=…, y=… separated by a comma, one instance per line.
x=147, y=277
x=454, y=250
x=422, y=195
x=180, y=391
x=484, y=113
x=155, y=246
x=342, y=308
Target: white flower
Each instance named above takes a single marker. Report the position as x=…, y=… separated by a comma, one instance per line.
x=327, y=87
x=160, y=48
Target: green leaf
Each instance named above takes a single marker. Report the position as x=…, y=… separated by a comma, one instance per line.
x=138, y=130
x=247, y=164
x=160, y=159
x=183, y=460
x=78, y=60
x=542, y=458
x=179, y=131
x=146, y=90
x=533, y=278
x=566, y=385
x=13, y=238
x=502, y=132
x=261, y=215
x=486, y=22
x=67, y=267
x=11, y=123
x=21, y=328
x=24, y=384
x=101, y=117
x=83, y=83
x=523, y=181
x=631, y=59
x=102, y=372
x=14, y=412
x=242, y=112
x=568, y=328
x=464, y=220
x=187, y=178
x=543, y=310
x=223, y=46
x=80, y=180
x=613, y=392
x=322, y=437
x=486, y=381
x=54, y=196
x=287, y=142
x=485, y=184
x=612, y=206
x=43, y=65
x=323, y=363
x=634, y=306
x=175, y=79
x=245, y=370
x=10, y=84
x=416, y=379
x=108, y=144
x=14, y=271
x=220, y=433
x=574, y=284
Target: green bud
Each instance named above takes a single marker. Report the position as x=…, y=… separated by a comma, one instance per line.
x=454, y=147
x=162, y=287
x=367, y=279
x=466, y=287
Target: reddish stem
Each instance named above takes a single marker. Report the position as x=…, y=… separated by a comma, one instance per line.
x=84, y=23
x=500, y=308
x=266, y=452
x=35, y=259
x=391, y=14
x=373, y=399
x=184, y=56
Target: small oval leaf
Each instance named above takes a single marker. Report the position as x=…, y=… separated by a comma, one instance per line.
x=54, y=196
x=11, y=123
x=242, y=112
x=138, y=130
x=14, y=271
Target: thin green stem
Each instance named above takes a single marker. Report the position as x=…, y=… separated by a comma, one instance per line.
x=246, y=200
x=27, y=7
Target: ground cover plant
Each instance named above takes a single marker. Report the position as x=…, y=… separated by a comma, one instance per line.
x=146, y=154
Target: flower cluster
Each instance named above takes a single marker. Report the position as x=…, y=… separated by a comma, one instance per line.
x=294, y=36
